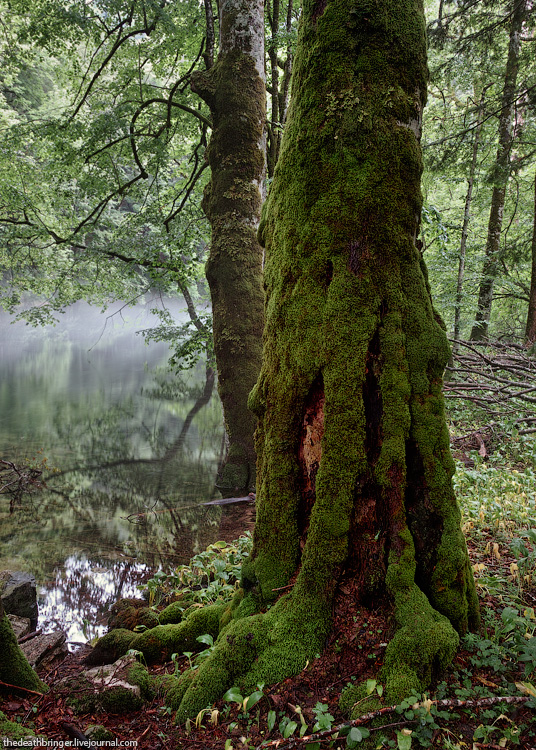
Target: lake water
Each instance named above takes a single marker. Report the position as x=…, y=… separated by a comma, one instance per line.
x=126, y=466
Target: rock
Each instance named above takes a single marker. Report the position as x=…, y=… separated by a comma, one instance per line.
x=96, y=732
x=130, y=613
x=19, y=595
x=113, y=675
x=21, y=625
x=46, y=650
x=110, y=688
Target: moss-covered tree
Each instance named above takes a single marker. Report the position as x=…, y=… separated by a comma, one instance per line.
x=354, y=490
x=14, y=667
x=234, y=90
x=354, y=470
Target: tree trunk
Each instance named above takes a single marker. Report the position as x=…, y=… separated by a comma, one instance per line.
x=501, y=176
x=465, y=227
x=279, y=89
x=235, y=92
x=530, y=329
x=14, y=667
x=354, y=490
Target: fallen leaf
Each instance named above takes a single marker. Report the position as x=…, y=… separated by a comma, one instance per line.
x=485, y=682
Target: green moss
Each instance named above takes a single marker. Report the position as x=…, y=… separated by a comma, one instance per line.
x=172, y=614
x=111, y=646
x=12, y=730
x=138, y=675
x=355, y=700
x=119, y=700
x=176, y=687
x=158, y=643
x=14, y=667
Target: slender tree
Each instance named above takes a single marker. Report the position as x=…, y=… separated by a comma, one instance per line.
x=530, y=328
x=501, y=173
x=234, y=89
x=466, y=221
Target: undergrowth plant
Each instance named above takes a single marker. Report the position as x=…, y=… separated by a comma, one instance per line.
x=210, y=576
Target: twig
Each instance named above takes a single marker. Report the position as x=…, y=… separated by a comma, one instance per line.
x=29, y=636
x=19, y=687
x=366, y=718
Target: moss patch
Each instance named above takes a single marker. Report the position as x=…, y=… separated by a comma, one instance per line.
x=14, y=667
x=12, y=730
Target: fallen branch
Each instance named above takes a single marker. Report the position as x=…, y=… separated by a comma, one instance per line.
x=19, y=687
x=366, y=718
x=29, y=636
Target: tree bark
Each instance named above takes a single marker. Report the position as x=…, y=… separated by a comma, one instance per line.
x=14, y=667
x=354, y=490
x=465, y=226
x=501, y=175
x=234, y=90
x=530, y=329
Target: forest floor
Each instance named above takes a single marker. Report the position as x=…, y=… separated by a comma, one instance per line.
x=499, y=519
x=353, y=653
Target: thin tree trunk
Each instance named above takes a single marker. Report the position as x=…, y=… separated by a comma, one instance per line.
x=501, y=175
x=234, y=90
x=530, y=330
x=279, y=87
x=465, y=227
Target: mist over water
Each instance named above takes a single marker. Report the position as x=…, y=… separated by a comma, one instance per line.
x=96, y=408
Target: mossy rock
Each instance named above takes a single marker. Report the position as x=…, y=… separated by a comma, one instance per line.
x=98, y=733
x=130, y=614
x=110, y=647
x=116, y=688
x=157, y=644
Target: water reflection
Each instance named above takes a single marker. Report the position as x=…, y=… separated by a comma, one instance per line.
x=129, y=453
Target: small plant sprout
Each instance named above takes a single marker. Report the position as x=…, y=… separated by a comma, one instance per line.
x=245, y=703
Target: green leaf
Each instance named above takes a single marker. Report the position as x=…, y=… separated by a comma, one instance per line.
x=403, y=741
x=207, y=638
x=356, y=735
x=253, y=699
x=270, y=720
x=233, y=695
x=290, y=729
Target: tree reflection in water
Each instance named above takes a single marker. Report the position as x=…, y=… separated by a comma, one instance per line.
x=136, y=452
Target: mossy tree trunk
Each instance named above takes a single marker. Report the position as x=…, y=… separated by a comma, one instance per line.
x=234, y=89
x=354, y=486
x=14, y=667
